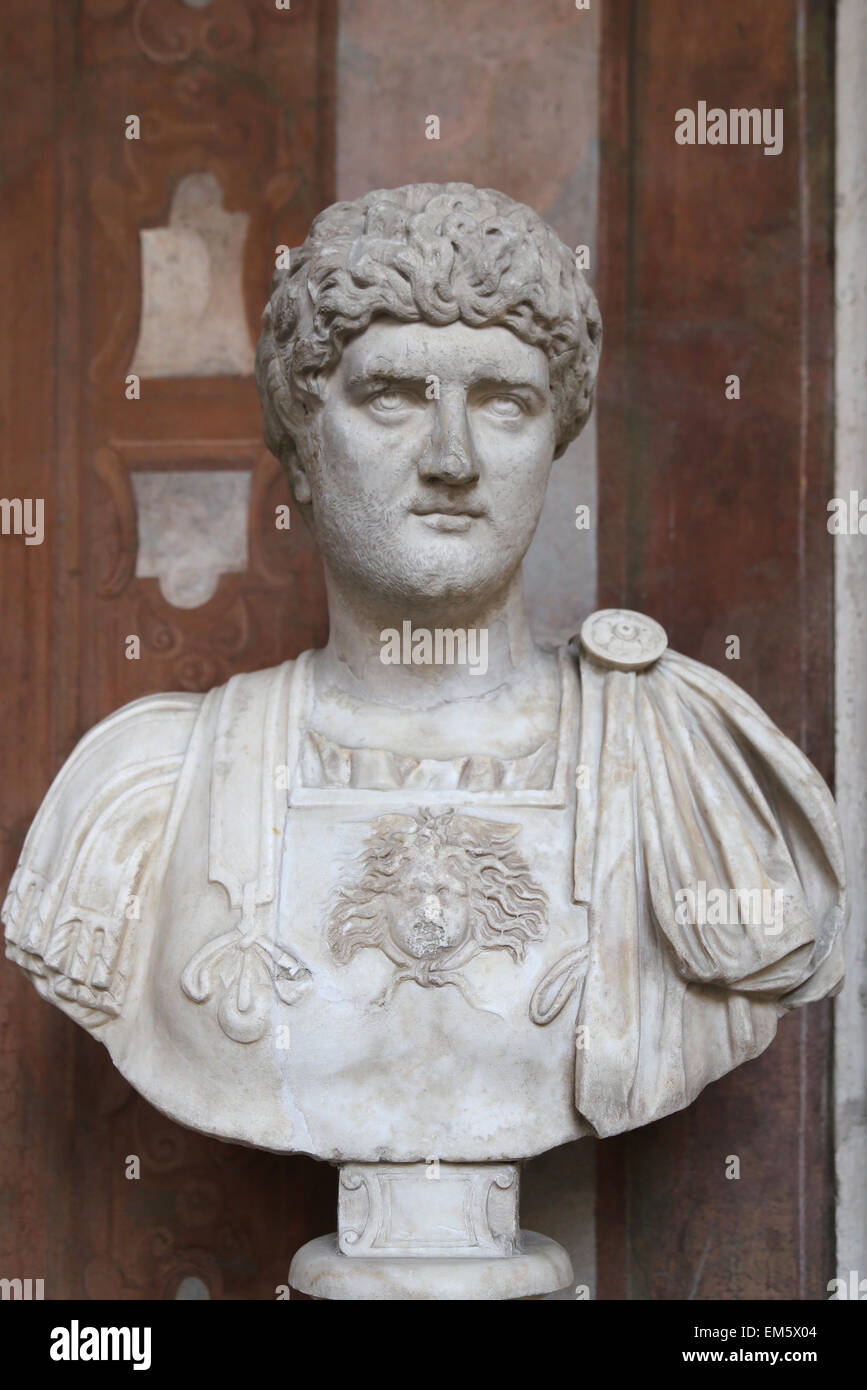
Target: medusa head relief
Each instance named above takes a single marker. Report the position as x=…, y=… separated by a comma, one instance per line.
x=434, y=891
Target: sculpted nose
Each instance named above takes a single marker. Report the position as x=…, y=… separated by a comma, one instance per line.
x=433, y=909
x=449, y=456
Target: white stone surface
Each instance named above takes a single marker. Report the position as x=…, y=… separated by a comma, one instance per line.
x=541, y=1266
x=381, y=905
x=453, y=1210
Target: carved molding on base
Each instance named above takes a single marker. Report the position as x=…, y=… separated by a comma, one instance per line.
x=541, y=1266
x=429, y=1231
x=459, y=1210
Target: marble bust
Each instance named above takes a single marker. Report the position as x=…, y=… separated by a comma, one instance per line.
x=432, y=896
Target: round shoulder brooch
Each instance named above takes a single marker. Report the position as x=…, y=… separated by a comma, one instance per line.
x=623, y=640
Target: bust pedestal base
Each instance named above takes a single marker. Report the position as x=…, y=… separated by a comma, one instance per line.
x=429, y=1231
x=541, y=1266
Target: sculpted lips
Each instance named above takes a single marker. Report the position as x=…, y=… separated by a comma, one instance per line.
x=445, y=516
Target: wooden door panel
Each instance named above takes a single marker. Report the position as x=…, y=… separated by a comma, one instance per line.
x=713, y=519
x=211, y=87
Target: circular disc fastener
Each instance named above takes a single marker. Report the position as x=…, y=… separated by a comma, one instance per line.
x=623, y=640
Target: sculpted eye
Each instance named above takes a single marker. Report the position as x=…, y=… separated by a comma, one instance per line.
x=504, y=407
x=390, y=401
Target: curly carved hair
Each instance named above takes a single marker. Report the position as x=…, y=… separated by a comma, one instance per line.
x=508, y=908
x=432, y=253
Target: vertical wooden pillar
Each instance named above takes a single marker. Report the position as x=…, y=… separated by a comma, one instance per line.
x=712, y=518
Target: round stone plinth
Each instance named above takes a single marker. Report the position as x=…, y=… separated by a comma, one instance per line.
x=320, y=1270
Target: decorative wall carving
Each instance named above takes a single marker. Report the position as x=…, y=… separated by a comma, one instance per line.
x=203, y=1209
x=202, y=645
x=192, y=317
x=192, y=528
x=168, y=33
x=172, y=31
x=181, y=68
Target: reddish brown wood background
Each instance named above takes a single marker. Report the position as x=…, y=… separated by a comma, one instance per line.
x=244, y=91
x=712, y=518
x=712, y=515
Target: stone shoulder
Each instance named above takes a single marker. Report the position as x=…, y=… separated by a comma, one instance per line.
x=79, y=892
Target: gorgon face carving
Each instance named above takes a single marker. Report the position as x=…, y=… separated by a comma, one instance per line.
x=435, y=890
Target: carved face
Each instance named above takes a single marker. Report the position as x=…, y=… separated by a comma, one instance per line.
x=431, y=915
x=433, y=447
x=435, y=890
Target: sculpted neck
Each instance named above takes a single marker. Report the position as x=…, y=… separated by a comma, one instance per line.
x=427, y=653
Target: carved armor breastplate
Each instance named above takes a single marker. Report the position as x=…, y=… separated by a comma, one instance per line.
x=364, y=943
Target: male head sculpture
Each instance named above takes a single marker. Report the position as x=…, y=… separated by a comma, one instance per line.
x=428, y=253
x=374, y=278
x=336, y=851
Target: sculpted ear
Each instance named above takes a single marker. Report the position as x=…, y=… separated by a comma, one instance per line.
x=303, y=447
x=297, y=473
